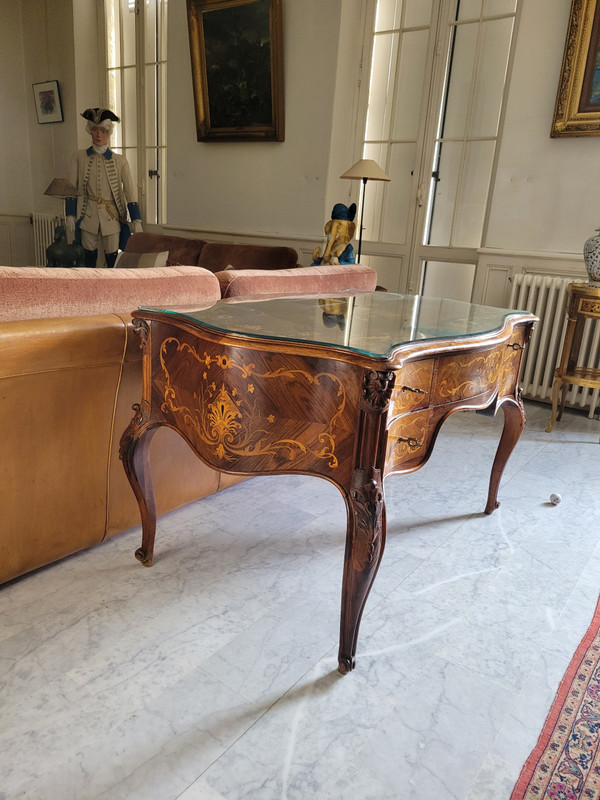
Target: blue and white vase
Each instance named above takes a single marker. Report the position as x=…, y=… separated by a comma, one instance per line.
x=591, y=256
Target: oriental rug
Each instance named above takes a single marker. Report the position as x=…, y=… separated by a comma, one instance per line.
x=565, y=763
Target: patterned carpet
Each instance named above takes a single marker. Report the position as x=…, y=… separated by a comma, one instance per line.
x=565, y=763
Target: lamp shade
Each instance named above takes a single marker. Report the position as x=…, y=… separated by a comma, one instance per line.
x=366, y=168
x=61, y=187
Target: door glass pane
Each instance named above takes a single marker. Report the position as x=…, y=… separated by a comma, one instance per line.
x=373, y=194
x=398, y=192
x=418, y=13
x=446, y=279
x=494, y=7
x=150, y=49
x=380, y=97
x=409, y=85
x=151, y=109
x=114, y=102
x=461, y=75
x=129, y=107
x=128, y=32
x=489, y=83
x=469, y=9
x=113, y=50
x=473, y=194
x=445, y=193
x=388, y=15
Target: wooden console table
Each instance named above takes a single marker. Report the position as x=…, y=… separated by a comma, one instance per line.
x=261, y=388
x=583, y=303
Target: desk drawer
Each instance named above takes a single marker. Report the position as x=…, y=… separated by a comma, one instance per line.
x=467, y=375
x=408, y=438
x=412, y=389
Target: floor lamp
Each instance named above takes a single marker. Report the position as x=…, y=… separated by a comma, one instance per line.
x=366, y=169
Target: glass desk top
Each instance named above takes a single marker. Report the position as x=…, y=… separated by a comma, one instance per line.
x=373, y=324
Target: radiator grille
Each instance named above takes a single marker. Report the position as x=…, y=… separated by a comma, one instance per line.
x=43, y=235
x=546, y=297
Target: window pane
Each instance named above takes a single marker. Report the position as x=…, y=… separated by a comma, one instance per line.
x=388, y=15
x=398, y=193
x=129, y=108
x=418, y=13
x=473, y=194
x=409, y=88
x=373, y=194
x=162, y=101
x=461, y=75
x=445, y=193
x=152, y=186
x=446, y=279
x=128, y=32
x=114, y=103
x=151, y=109
x=150, y=48
x=489, y=84
x=113, y=54
x=469, y=9
x=380, y=97
x=494, y=7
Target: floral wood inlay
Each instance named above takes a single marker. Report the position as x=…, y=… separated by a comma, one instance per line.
x=226, y=418
x=481, y=373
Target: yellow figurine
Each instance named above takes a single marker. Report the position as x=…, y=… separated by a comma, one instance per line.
x=340, y=230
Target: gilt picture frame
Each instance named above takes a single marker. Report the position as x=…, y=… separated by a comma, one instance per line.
x=577, y=108
x=236, y=49
x=47, y=102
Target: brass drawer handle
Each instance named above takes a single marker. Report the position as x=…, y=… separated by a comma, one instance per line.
x=412, y=389
x=413, y=444
x=516, y=346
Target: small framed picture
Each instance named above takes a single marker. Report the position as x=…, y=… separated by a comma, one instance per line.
x=47, y=102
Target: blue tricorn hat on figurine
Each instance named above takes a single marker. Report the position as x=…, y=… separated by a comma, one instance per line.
x=340, y=211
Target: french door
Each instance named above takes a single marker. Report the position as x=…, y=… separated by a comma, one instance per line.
x=438, y=79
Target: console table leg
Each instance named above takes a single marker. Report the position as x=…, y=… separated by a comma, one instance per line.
x=135, y=455
x=514, y=422
x=365, y=542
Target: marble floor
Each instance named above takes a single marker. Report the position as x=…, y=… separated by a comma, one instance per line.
x=213, y=674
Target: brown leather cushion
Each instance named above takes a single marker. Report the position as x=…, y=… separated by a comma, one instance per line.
x=182, y=251
x=299, y=281
x=216, y=256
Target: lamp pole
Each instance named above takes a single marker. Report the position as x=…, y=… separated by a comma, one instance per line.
x=362, y=216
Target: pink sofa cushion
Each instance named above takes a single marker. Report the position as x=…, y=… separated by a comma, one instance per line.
x=182, y=251
x=216, y=256
x=302, y=280
x=39, y=292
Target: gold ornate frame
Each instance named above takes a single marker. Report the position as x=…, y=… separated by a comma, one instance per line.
x=237, y=69
x=577, y=110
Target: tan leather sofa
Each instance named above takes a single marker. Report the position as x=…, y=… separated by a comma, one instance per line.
x=70, y=370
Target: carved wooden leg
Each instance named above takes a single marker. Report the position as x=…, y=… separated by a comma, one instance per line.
x=555, y=390
x=365, y=541
x=514, y=422
x=134, y=453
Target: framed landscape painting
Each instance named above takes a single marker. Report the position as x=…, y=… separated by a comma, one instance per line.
x=236, y=48
x=577, y=109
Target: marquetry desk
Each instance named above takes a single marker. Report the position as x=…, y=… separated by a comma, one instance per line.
x=260, y=388
x=583, y=303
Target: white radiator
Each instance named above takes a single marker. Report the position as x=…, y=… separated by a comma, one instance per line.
x=546, y=297
x=43, y=235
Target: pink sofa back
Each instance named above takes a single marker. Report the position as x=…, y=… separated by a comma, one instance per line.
x=40, y=292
